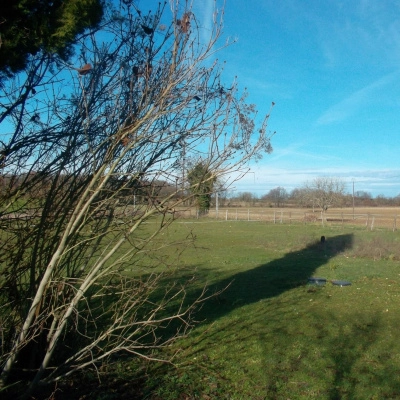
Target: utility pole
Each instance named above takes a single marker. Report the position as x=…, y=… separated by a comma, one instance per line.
x=353, y=198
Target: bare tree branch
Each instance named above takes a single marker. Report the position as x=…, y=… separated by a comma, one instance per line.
x=94, y=152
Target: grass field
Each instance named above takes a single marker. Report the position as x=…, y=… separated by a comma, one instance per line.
x=368, y=217
x=271, y=334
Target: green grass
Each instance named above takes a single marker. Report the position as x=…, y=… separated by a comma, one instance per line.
x=270, y=334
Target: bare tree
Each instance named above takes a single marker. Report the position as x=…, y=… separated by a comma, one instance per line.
x=277, y=196
x=301, y=197
x=83, y=144
x=325, y=192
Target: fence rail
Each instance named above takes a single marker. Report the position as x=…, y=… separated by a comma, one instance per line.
x=369, y=220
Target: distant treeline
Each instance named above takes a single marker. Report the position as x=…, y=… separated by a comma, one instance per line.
x=145, y=189
x=279, y=197
x=140, y=189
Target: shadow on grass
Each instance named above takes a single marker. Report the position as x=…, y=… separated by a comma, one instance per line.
x=330, y=357
x=247, y=287
x=272, y=279
x=302, y=351
x=336, y=357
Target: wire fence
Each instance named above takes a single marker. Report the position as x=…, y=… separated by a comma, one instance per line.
x=387, y=220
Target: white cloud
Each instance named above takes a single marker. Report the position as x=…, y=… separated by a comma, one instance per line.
x=261, y=179
x=351, y=104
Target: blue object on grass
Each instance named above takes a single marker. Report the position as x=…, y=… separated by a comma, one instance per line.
x=341, y=283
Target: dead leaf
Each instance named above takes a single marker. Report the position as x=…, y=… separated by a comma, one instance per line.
x=185, y=22
x=125, y=141
x=85, y=69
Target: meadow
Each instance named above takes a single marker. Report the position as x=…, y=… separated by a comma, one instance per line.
x=272, y=334
x=368, y=217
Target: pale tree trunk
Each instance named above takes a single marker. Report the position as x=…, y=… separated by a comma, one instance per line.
x=90, y=161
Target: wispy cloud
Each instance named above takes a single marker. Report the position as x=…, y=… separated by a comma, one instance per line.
x=204, y=15
x=298, y=151
x=364, y=31
x=376, y=181
x=351, y=104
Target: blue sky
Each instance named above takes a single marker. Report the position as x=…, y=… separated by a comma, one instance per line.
x=333, y=69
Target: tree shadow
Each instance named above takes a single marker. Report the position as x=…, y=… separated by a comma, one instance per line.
x=354, y=348
x=338, y=361
x=273, y=278
x=343, y=361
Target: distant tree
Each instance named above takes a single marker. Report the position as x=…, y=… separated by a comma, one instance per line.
x=396, y=200
x=30, y=26
x=383, y=201
x=277, y=196
x=301, y=197
x=201, y=180
x=325, y=192
x=363, y=195
x=362, y=198
x=246, y=197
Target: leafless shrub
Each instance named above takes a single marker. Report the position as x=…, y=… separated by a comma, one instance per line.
x=81, y=167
